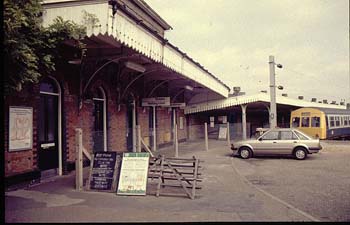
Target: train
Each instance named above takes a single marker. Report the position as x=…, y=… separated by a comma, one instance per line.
x=322, y=123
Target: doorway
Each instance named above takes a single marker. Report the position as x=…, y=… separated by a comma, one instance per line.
x=49, y=128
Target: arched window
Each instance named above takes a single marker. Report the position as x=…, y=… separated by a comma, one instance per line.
x=100, y=122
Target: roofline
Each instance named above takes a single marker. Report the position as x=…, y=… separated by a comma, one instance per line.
x=153, y=14
x=246, y=99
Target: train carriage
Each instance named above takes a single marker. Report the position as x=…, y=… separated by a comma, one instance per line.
x=322, y=123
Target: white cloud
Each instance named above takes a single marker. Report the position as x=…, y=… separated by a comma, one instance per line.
x=234, y=38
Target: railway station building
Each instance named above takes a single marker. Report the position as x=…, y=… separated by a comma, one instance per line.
x=130, y=80
x=130, y=83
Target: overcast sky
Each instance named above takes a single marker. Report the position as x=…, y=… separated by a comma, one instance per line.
x=234, y=38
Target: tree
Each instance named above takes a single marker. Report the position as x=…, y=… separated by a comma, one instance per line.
x=30, y=50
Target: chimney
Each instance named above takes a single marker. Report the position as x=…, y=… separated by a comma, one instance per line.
x=313, y=99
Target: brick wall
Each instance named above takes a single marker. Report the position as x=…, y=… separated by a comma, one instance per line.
x=17, y=162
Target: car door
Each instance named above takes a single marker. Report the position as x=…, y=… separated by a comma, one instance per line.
x=267, y=143
x=287, y=141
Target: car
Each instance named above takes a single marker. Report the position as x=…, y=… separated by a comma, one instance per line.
x=278, y=141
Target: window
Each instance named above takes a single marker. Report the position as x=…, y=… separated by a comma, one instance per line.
x=315, y=121
x=99, y=113
x=295, y=121
x=337, y=121
x=272, y=135
x=331, y=121
x=301, y=136
x=288, y=135
x=305, y=121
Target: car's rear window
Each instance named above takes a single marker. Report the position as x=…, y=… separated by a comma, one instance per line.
x=301, y=136
x=288, y=135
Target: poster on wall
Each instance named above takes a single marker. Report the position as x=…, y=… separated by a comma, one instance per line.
x=20, y=128
x=212, y=121
x=133, y=174
x=181, y=123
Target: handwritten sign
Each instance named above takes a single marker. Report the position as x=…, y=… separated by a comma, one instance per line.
x=133, y=174
x=20, y=128
x=103, y=171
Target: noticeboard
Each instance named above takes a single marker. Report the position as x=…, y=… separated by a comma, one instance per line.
x=103, y=171
x=222, y=132
x=20, y=128
x=133, y=174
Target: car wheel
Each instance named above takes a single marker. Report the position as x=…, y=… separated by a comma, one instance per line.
x=245, y=153
x=300, y=154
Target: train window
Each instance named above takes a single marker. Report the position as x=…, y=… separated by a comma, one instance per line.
x=295, y=121
x=315, y=121
x=347, y=121
x=331, y=121
x=305, y=121
x=337, y=121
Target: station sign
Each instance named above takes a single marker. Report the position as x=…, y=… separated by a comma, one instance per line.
x=157, y=101
x=178, y=105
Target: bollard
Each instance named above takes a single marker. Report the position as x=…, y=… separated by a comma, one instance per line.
x=78, y=159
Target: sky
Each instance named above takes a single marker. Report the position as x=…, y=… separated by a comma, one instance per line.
x=233, y=39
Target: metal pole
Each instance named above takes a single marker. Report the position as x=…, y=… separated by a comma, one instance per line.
x=244, y=122
x=154, y=129
x=134, y=126
x=206, y=136
x=228, y=134
x=78, y=159
x=176, y=143
x=138, y=128
x=273, y=108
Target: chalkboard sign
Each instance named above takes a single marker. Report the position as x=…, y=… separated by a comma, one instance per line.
x=103, y=171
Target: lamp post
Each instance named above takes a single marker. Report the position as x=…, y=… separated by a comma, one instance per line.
x=273, y=107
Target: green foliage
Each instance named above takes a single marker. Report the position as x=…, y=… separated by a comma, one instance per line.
x=30, y=50
x=90, y=19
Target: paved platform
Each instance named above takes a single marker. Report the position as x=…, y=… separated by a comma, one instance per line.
x=225, y=196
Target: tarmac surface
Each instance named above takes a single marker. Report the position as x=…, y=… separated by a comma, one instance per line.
x=226, y=195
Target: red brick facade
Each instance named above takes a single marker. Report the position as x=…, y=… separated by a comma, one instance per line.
x=27, y=160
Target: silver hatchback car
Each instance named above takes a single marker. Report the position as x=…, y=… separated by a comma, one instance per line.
x=278, y=141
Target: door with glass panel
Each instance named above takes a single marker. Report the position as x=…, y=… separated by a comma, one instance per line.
x=48, y=126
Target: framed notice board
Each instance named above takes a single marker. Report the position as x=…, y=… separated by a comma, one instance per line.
x=133, y=174
x=103, y=171
x=222, y=132
x=20, y=128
